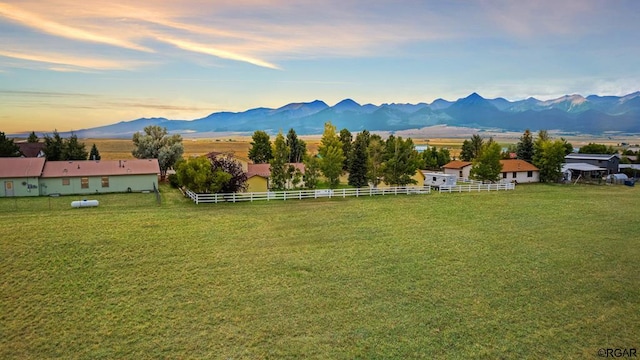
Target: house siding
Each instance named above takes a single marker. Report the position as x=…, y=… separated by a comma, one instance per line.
x=257, y=184
x=118, y=183
x=521, y=177
x=18, y=189
x=465, y=172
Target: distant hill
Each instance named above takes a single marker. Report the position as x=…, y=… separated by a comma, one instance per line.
x=571, y=114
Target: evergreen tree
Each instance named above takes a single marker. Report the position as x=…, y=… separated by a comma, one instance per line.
x=358, y=161
x=8, y=148
x=476, y=144
x=53, y=147
x=487, y=166
x=33, y=138
x=524, y=148
x=278, y=163
x=331, y=155
x=430, y=158
x=346, y=138
x=260, y=152
x=297, y=147
x=568, y=147
x=73, y=149
x=94, y=154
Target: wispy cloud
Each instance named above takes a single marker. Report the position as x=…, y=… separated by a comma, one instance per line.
x=40, y=23
x=79, y=63
x=200, y=48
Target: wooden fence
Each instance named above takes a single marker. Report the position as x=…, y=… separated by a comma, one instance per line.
x=305, y=194
x=477, y=187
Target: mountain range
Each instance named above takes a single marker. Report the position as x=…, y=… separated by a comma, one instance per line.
x=569, y=114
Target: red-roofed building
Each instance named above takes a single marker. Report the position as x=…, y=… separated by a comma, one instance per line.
x=458, y=168
x=20, y=176
x=102, y=176
x=28, y=149
x=519, y=171
x=258, y=176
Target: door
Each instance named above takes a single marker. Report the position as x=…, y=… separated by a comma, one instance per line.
x=8, y=188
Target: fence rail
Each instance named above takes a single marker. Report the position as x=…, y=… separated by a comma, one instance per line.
x=477, y=187
x=305, y=194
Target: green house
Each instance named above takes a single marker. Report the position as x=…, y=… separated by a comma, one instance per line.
x=20, y=176
x=99, y=176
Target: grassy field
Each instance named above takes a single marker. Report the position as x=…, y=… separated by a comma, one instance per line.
x=540, y=272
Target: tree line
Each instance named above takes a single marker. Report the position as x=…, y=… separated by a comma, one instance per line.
x=56, y=148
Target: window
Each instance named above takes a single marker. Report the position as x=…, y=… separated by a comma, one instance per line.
x=460, y=173
x=105, y=181
x=504, y=175
x=529, y=173
x=434, y=179
x=84, y=183
x=514, y=175
x=66, y=182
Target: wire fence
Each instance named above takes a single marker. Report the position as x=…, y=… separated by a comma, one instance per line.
x=305, y=194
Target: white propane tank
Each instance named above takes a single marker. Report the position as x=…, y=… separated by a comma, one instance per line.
x=84, y=203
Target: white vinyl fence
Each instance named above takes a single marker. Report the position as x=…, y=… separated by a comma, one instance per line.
x=305, y=194
x=477, y=187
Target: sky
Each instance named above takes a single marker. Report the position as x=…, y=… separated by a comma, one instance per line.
x=67, y=65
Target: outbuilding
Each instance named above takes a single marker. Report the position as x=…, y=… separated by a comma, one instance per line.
x=20, y=176
x=437, y=179
x=460, y=169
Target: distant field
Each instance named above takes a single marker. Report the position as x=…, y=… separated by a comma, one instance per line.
x=540, y=272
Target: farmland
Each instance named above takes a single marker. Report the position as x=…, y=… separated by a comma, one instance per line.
x=545, y=271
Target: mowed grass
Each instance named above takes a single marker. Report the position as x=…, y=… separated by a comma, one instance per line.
x=540, y=272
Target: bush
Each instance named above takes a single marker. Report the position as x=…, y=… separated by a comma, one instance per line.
x=173, y=180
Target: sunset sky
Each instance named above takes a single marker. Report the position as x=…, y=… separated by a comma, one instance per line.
x=69, y=65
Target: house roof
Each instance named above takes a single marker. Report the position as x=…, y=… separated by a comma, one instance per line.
x=516, y=166
x=591, y=156
x=457, y=164
x=581, y=167
x=30, y=149
x=15, y=167
x=78, y=168
x=264, y=170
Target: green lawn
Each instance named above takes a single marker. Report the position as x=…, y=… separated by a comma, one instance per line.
x=544, y=271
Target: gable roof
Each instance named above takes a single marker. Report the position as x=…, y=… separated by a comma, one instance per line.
x=30, y=149
x=517, y=165
x=457, y=164
x=79, y=168
x=15, y=167
x=264, y=170
x=591, y=156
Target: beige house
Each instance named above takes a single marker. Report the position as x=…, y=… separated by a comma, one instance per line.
x=258, y=176
x=519, y=171
x=459, y=168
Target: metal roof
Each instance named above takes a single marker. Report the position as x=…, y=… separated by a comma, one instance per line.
x=14, y=167
x=581, y=167
x=591, y=156
x=78, y=168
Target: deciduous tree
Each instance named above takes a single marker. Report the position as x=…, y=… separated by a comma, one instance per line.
x=260, y=151
x=401, y=161
x=154, y=143
x=278, y=163
x=311, y=171
x=375, y=157
x=487, y=166
x=593, y=148
x=331, y=155
x=237, y=181
x=549, y=158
